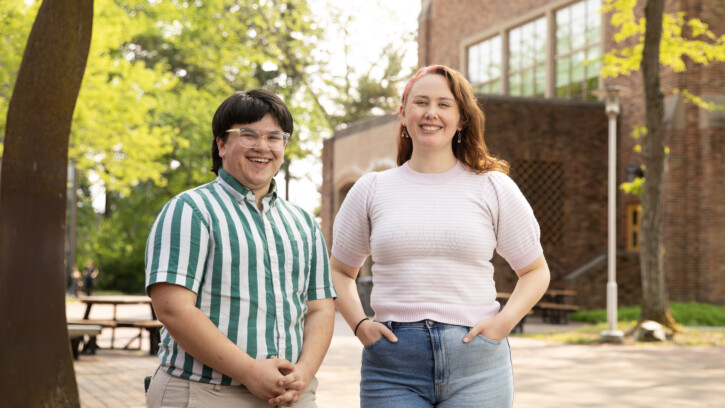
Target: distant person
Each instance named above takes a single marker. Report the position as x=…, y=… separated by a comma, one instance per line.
x=76, y=283
x=432, y=225
x=239, y=276
x=90, y=273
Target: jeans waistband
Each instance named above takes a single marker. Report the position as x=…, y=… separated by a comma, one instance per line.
x=422, y=324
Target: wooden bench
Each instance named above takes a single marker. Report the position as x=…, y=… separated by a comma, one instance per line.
x=152, y=326
x=78, y=332
x=91, y=346
x=553, y=307
x=502, y=297
x=557, y=313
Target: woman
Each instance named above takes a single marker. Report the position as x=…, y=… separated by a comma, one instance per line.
x=431, y=226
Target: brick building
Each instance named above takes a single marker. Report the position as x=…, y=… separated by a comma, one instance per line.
x=534, y=64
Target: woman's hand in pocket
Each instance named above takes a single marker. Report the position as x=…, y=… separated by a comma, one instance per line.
x=492, y=328
x=370, y=331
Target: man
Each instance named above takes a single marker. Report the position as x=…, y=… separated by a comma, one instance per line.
x=238, y=276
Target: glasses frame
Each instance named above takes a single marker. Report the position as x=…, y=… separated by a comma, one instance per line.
x=261, y=137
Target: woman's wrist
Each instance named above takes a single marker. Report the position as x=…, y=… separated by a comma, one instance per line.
x=357, y=326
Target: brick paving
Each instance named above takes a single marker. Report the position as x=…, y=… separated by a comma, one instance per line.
x=547, y=375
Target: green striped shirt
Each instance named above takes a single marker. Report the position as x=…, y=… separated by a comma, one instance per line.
x=253, y=271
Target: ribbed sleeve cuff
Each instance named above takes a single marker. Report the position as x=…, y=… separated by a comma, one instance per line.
x=527, y=258
x=347, y=258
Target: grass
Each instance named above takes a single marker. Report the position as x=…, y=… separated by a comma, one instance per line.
x=686, y=314
x=591, y=334
x=704, y=325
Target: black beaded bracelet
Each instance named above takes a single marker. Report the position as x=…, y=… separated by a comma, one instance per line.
x=354, y=332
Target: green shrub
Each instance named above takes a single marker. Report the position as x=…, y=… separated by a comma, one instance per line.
x=687, y=314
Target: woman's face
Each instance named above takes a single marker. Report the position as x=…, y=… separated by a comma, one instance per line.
x=431, y=114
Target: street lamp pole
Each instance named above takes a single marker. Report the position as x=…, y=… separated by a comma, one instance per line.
x=611, y=99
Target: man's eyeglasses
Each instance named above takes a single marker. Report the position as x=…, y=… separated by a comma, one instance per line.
x=249, y=138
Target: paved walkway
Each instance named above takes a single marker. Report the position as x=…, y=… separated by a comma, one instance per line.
x=547, y=375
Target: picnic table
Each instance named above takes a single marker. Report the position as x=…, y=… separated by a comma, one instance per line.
x=153, y=326
x=554, y=307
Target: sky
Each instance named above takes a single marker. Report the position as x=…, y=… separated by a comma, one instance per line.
x=376, y=23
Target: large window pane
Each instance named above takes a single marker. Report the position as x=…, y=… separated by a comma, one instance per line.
x=527, y=54
x=540, y=81
x=577, y=62
x=484, y=64
x=578, y=48
x=527, y=82
x=563, y=68
x=515, y=85
x=592, y=84
x=495, y=86
x=515, y=51
x=540, y=41
x=563, y=34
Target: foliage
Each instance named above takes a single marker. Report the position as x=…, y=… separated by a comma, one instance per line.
x=156, y=72
x=16, y=20
x=688, y=314
x=633, y=187
x=357, y=94
x=703, y=47
x=371, y=95
x=681, y=38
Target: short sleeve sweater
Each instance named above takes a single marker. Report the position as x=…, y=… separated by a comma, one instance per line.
x=432, y=237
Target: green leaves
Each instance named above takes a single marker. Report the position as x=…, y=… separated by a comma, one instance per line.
x=156, y=72
x=681, y=37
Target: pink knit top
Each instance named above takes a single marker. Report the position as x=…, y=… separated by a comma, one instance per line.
x=432, y=237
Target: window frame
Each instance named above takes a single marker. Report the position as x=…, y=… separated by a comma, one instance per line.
x=549, y=13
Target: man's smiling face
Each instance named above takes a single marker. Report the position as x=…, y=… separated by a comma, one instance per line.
x=253, y=167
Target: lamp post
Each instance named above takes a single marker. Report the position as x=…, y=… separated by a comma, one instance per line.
x=611, y=100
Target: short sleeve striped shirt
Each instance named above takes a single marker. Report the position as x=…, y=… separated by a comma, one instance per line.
x=252, y=270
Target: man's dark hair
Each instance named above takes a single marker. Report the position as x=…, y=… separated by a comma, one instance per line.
x=245, y=107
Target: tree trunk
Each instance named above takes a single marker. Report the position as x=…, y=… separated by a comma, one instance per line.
x=655, y=305
x=36, y=366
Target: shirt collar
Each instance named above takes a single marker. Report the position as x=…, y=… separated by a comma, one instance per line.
x=236, y=189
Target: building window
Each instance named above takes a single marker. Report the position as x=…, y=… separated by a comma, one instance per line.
x=634, y=222
x=571, y=59
x=527, y=59
x=484, y=66
x=578, y=48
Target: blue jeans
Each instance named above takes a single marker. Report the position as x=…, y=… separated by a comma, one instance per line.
x=430, y=366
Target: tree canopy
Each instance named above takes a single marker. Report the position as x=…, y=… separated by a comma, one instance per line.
x=156, y=72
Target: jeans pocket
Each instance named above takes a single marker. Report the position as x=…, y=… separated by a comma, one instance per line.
x=375, y=343
x=488, y=340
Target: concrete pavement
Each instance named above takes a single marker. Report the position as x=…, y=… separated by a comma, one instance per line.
x=547, y=375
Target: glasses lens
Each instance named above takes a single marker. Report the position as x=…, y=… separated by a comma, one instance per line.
x=276, y=140
x=249, y=138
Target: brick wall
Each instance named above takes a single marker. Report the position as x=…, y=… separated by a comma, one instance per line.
x=327, y=206
x=574, y=134
x=453, y=21
x=693, y=218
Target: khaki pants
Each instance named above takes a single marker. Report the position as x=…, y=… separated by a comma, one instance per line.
x=174, y=392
